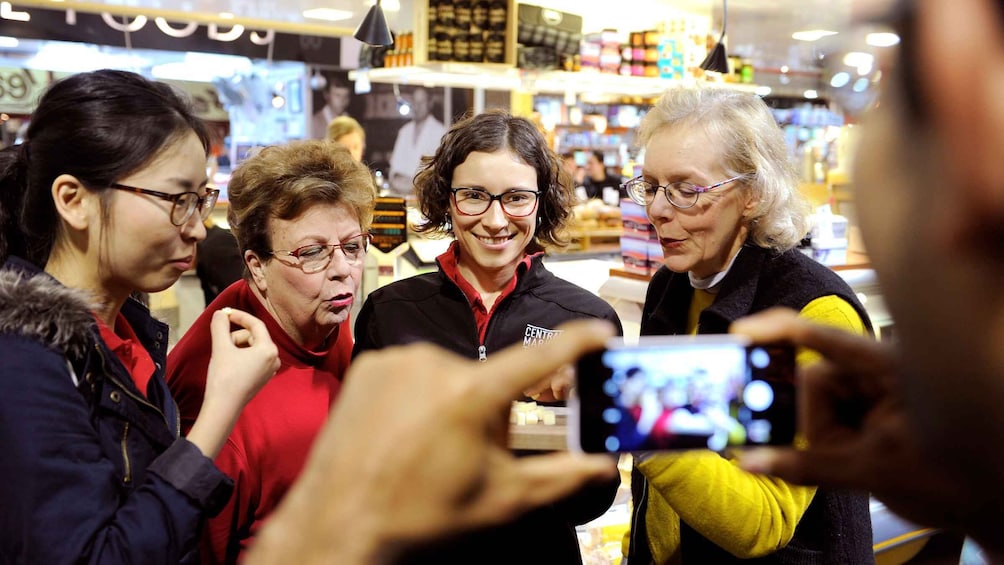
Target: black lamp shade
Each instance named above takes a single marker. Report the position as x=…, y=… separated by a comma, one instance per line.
x=373, y=29
x=717, y=60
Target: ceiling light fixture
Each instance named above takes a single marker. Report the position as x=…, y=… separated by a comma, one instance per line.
x=373, y=29
x=327, y=14
x=882, y=39
x=717, y=60
x=812, y=34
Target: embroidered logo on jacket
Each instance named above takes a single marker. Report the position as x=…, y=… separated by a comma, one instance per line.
x=535, y=335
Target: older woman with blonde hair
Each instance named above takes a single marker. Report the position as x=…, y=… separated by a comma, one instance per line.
x=718, y=186
x=348, y=133
x=300, y=213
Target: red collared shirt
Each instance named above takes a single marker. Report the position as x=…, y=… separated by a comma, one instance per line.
x=126, y=346
x=448, y=263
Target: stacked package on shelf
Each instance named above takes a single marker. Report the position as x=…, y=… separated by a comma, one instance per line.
x=640, y=249
x=683, y=46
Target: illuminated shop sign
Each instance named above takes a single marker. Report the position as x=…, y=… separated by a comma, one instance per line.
x=142, y=32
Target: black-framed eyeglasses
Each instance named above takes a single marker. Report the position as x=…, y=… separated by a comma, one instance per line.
x=476, y=201
x=681, y=194
x=183, y=204
x=316, y=257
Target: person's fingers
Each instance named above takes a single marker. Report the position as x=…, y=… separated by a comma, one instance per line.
x=241, y=338
x=562, y=382
x=516, y=369
x=219, y=329
x=782, y=324
x=257, y=331
x=830, y=467
x=536, y=480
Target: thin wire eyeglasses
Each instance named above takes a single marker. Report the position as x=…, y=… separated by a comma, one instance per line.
x=681, y=194
x=476, y=201
x=316, y=257
x=183, y=204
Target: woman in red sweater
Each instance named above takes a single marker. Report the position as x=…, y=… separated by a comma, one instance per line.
x=300, y=213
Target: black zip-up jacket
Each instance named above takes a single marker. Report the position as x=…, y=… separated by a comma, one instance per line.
x=836, y=527
x=432, y=308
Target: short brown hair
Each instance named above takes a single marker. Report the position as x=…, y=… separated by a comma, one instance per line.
x=490, y=132
x=282, y=181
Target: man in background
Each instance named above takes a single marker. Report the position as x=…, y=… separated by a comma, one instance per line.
x=337, y=94
x=416, y=138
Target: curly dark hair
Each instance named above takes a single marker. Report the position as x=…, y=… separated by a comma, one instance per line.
x=490, y=132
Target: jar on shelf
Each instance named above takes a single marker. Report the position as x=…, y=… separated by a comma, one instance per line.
x=479, y=14
x=445, y=14
x=495, y=48
x=444, y=46
x=462, y=47
x=477, y=47
x=462, y=10
x=497, y=14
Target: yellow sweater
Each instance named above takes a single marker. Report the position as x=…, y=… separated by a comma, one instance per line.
x=747, y=515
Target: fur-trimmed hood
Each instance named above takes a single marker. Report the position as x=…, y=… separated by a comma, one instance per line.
x=38, y=307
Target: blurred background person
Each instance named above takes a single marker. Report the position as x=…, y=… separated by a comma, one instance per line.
x=336, y=95
x=300, y=213
x=347, y=132
x=218, y=261
x=575, y=172
x=496, y=187
x=723, y=196
x=600, y=182
x=417, y=138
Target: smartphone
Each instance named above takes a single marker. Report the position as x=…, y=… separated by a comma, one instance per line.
x=683, y=392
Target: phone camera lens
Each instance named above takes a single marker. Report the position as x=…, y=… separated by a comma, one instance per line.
x=758, y=396
x=759, y=358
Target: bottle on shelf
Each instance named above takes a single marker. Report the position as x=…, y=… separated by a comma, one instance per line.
x=479, y=15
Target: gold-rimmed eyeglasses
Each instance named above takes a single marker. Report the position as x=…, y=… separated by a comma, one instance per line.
x=316, y=257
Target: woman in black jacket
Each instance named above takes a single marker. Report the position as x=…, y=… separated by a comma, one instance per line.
x=496, y=187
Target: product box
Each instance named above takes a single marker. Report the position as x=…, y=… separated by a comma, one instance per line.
x=828, y=226
x=634, y=254
x=831, y=251
x=635, y=221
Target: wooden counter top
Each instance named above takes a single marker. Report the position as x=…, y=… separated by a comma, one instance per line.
x=541, y=437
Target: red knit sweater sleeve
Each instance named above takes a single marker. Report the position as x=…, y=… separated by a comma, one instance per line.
x=187, y=364
x=225, y=533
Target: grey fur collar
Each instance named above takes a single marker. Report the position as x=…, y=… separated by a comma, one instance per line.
x=38, y=307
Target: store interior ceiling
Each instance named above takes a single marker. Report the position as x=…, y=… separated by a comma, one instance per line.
x=758, y=30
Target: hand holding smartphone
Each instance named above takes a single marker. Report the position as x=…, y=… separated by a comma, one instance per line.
x=683, y=392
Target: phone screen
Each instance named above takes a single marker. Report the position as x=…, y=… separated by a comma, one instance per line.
x=684, y=393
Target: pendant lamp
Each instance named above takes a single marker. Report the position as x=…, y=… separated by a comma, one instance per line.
x=373, y=29
x=717, y=60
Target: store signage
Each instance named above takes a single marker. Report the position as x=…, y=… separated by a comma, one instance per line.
x=20, y=90
x=137, y=31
